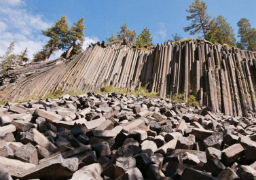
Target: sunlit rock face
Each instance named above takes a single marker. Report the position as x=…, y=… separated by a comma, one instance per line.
x=220, y=77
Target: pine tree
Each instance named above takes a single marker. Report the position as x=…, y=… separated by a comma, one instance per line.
x=40, y=56
x=124, y=34
x=111, y=38
x=58, y=38
x=247, y=35
x=24, y=57
x=9, y=58
x=144, y=38
x=221, y=32
x=75, y=38
x=127, y=34
x=198, y=17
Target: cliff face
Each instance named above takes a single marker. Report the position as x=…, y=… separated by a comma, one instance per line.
x=220, y=77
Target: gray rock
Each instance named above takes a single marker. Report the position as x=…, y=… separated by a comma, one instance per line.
x=133, y=174
x=126, y=162
x=102, y=149
x=90, y=172
x=5, y=120
x=185, y=142
x=214, y=140
x=227, y=174
x=191, y=174
x=27, y=153
x=246, y=172
x=148, y=147
x=231, y=153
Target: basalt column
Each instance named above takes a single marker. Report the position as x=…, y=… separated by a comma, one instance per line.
x=220, y=77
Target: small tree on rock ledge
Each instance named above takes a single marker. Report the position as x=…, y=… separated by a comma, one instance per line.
x=144, y=38
x=199, y=18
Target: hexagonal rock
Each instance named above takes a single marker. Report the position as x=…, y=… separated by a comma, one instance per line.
x=27, y=153
x=4, y=130
x=201, y=134
x=190, y=159
x=54, y=167
x=214, y=166
x=5, y=119
x=227, y=174
x=231, y=153
x=192, y=174
x=102, y=148
x=15, y=167
x=159, y=140
x=4, y=175
x=112, y=171
x=133, y=174
x=169, y=146
x=250, y=148
x=126, y=162
x=130, y=147
x=148, y=147
x=214, y=140
x=185, y=143
x=50, y=116
x=200, y=154
x=5, y=150
x=213, y=152
x=90, y=172
x=246, y=172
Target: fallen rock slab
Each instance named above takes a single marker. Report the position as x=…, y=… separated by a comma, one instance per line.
x=90, y=172
x=52, y=168
x=14, y=167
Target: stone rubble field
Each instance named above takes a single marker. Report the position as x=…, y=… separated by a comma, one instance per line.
x=112, y=136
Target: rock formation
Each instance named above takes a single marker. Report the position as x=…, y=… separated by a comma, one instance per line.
x=123, y=137
x=221, y=77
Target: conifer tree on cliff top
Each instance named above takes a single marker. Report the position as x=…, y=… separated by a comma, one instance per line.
x=247, y=35
x=198, y=17
x=58, y=38
x=75, y=38
x=221, y=32
x=144, y=38
x=124, y=34
x=63, y=38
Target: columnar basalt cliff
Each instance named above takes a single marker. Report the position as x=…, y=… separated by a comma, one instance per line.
x=221, y=77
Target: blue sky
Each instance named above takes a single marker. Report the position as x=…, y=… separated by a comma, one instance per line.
x=21, y=21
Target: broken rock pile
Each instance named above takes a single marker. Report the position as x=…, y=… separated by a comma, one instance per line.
x=112, y=136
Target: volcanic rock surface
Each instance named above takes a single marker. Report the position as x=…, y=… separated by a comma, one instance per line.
x=112, y=136
x=221, y=77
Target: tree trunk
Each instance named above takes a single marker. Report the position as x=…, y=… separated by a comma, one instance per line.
x=49, y=54
x=69, y=51
x=202, y=26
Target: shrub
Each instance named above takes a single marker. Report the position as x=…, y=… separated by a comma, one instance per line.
x=180, y=98
x=55, y=94
x=142, y=91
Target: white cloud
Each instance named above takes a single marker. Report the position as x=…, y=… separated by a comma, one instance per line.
x=56, y=54
x=88, y=40
x=21, y=27
x=161, y=33
x=12, y=2
x=24, y=29
x=2, y=26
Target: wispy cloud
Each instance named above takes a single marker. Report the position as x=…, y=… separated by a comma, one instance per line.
x=22, y=27
x=12, y=2
x=88, y=41
x=161, y=32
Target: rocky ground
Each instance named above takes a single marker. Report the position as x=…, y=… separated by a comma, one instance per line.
x=123, y=137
